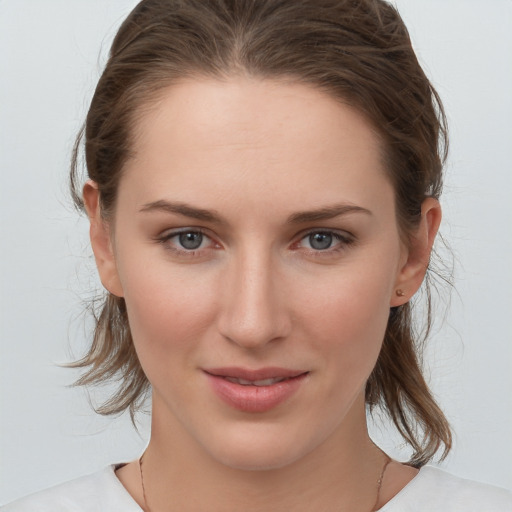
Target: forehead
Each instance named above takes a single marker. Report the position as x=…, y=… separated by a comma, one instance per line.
x=203, y=138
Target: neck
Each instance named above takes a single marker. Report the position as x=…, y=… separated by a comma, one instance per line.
x=339, y=475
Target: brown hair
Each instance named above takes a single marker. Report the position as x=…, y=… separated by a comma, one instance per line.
x=358, y=51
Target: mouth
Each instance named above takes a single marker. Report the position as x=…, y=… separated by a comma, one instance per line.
x=260, y=377
x=255, y=390
x=263, y=382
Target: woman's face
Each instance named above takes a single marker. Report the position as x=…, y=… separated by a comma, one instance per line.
x=256, y=246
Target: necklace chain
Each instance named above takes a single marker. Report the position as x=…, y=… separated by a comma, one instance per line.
x=373, y=509
x=146, y=508
x=379, y=482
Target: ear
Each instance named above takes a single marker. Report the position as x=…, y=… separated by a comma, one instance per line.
x=101, y=241
x=417, y=256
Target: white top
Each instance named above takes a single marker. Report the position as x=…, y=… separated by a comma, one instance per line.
x=432, y=490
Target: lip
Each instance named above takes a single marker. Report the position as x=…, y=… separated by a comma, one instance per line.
x=255, y=399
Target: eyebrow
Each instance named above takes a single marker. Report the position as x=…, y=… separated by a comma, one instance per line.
x=326, y=213
x=179, y=208
x=185, y=210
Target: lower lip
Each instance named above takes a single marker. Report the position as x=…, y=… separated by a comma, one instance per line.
x=255, y=398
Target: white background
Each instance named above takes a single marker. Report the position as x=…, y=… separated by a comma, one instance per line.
x=51, y=53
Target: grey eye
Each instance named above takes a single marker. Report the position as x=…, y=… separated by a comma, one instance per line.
x=191, y=240
x=320, y=241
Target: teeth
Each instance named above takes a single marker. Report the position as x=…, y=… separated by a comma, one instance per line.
x=263, y=382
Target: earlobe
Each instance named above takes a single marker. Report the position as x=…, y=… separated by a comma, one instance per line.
x=101, y=241
x=413, y=270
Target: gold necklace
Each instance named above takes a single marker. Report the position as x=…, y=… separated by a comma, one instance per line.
x=387, y=460
x=373, y=509
x=146, y=508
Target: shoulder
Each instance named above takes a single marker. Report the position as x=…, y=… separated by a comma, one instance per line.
x=99, y=491
x=434, y=489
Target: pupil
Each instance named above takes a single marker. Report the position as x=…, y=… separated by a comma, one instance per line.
x=191, y=240
x=320, y=241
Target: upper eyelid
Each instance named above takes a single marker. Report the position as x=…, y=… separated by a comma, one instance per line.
x=171, y=232
x=340, y=232
x=167, y=235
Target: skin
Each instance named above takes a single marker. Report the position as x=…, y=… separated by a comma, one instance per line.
x=258, y=292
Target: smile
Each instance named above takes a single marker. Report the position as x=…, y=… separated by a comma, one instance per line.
x=255, y=391
x=263, y=382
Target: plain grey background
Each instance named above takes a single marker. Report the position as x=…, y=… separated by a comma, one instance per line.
x=51, y=54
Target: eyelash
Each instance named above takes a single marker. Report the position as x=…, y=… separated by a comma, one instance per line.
x=344, y=241
x=165, y=240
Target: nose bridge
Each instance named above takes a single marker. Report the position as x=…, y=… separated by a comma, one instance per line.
x=253, y=312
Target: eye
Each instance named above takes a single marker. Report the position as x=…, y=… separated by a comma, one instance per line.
x=190, y=240
x=186, y=241
x=319, y=241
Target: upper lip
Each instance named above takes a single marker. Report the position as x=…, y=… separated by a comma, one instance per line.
x=271, y=372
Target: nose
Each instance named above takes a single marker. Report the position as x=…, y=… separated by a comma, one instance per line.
x=254, y=309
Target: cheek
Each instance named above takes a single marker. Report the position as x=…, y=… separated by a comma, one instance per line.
x=354, y=324
x=347, y=319
x=168, y=310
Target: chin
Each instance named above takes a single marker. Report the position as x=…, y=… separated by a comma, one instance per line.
x=256, y=459
x=258, y=451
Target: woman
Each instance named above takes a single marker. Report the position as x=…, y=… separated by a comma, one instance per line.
x=263, y=197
